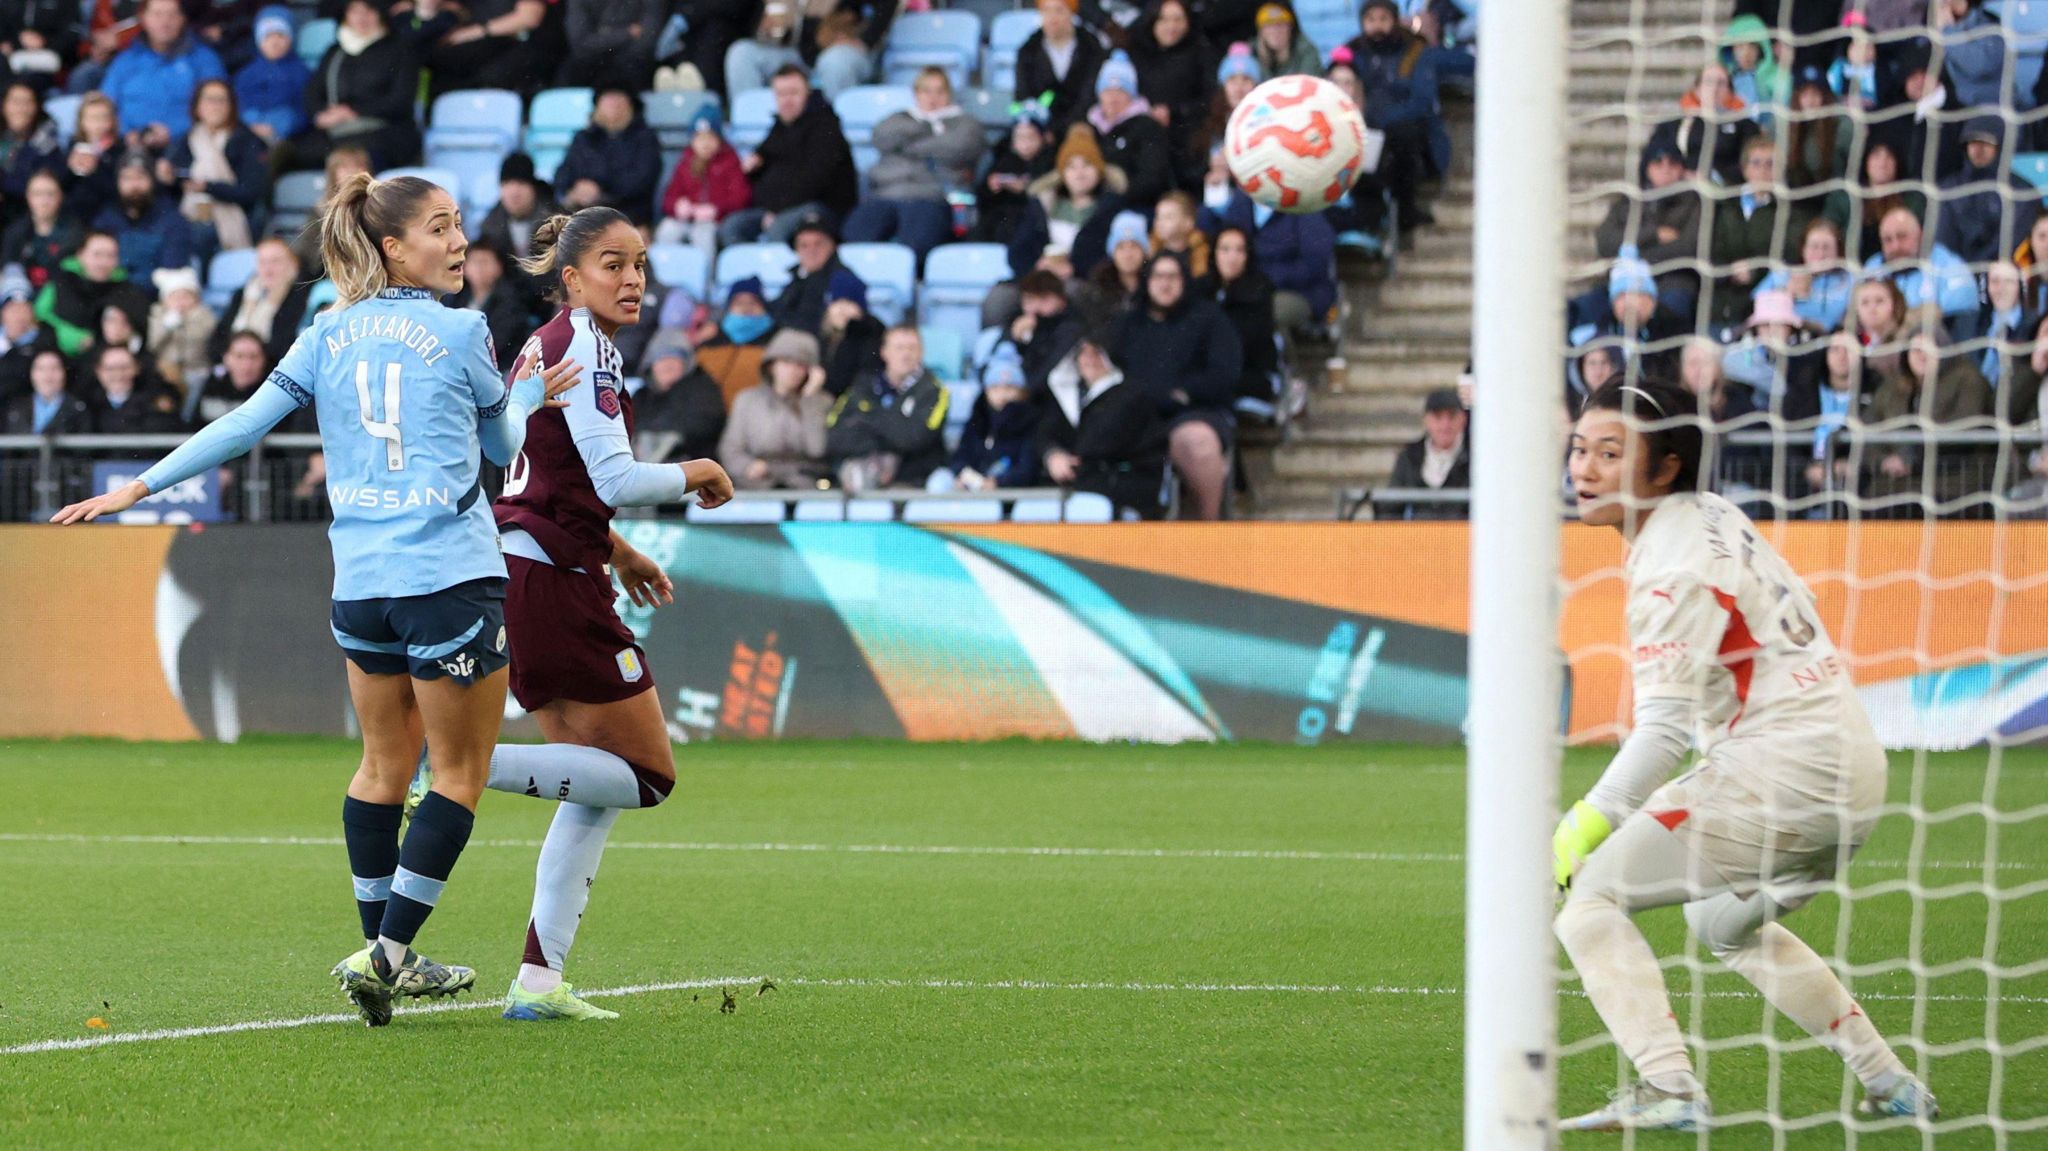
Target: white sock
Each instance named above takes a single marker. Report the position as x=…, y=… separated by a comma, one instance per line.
x=1801, y=985
x=394, y=951
x=1620, y=975
x=567, y=772
x=561, y=889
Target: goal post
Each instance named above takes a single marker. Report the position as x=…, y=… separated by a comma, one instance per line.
x=1513, y=757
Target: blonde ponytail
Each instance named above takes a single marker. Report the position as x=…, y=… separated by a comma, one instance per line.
x=354, y=223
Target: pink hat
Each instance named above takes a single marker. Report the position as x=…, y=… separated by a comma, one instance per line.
x=1775, y=308
x=1854, y=19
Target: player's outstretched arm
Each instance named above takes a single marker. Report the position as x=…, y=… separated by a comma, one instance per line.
x=215, y=444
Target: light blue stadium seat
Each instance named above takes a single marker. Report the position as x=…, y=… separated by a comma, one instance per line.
x=314, y=39
x=63, y=112
x=820, y=511
x=293, y=199
x=1089, y=508
x=957, y=278
x=774, y=263
x=864, y=157
x=2033, y=166
x=947, y=39
x=1327, y=23
x=477, y=172
x=890, y=272
x=739, y=511
x=482, y=119
x=556, y=116
x=753, y=113
x=861, y=108
x=225, y=275
x=681, y=266
x=318, y=297
x=991, y=107
x=1036, y=510
x=445, y=177
x=2025, y=18
x=1006, y=34
x=546, y=160
x=868, y=511
x=672, y=114
x=968, y=511
x=960, y=397
x=943, y=351
x=985, y=342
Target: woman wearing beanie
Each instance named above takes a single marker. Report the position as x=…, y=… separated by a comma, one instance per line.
x=1281, y=49
x=1236, y=76
x=1024, y=156
x=776, y=435
x=1131, y=139
x=1059, y=59
x=1071, y=206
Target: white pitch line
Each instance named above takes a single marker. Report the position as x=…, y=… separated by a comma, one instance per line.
x=918, y=849
x=87, y=1042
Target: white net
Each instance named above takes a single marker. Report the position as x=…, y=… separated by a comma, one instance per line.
x=1831, y=240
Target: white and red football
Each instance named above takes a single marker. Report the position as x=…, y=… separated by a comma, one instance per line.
x=1295, y=143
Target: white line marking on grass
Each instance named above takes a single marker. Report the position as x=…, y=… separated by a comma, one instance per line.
x=923, y=849
x=87, y=1042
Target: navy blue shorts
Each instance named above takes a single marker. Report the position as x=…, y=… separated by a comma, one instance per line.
x=456, y=633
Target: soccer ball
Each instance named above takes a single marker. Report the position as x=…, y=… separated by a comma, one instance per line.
x=1294, y=143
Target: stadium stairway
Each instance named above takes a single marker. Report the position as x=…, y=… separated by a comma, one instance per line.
x=1410, y=323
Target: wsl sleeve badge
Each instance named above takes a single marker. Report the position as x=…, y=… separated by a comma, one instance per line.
x=606, y=385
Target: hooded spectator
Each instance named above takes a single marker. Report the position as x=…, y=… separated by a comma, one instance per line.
x=1023, y=156
x=776, y=435
x=996, y=448
x=1280, y=48
x=706, y=187
x=849, y=338
x=889, y=428
x=802, y=168
x=152, y=80
x=1184, y=356
x=271, y=87
x=613, y=163
x=1100, y=433
x=611, y=42
x=681, y=405
x=85, y=286
x=922, y=153
x=1060, y=59
x=361, y=94
x=732, y=356
x=1753, y=76
x=1984, y=205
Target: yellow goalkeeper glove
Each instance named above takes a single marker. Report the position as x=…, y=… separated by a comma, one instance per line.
x=1581, y=830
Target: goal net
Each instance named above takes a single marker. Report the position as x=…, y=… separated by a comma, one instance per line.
x=1833, y=232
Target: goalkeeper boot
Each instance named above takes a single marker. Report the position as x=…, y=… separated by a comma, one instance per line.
x=422, y=978
x=561, y=1003
x=1907, y=1099
x=422, y=783
x=1641, y=1107
x=367, y=979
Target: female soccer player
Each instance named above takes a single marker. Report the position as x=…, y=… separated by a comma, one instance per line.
x=407, y=392
x=574, y=664
x=1729, y=656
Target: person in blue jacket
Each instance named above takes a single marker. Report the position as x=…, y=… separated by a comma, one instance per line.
x=1398, y=72
x=152, y=80
x=1298, y=252
x=272, y=87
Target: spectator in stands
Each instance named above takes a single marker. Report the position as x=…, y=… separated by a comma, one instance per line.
x=2033, y=269
x=242, y=368
x=20, y=338
x=1440, y=459
x=1045, y=328
x=1061, y=58
x=1973, y=54
x=1245, y=296
x=523, y=202
x=1236, y=75
x=1281, y=49
x=1175, y=65
x=1753, y=74
x=1853, y=75
x=1816, y=143
x=680, y=405
x=119, y=330
x=1131, y=139
x=271, y=305
x=802, y=304
x=151, y=232
x=123, y=403
x=271, y=87
x=1981, y=214
x=2022, y=385
x=1712, y=128
x=111, y=27
x=615, y=162
x=1881, y=316
x=1115, y=281
x=889, y=428
x=49, y=408
x=1933, y=275
x=1179, y=350
x=1100, y=433
x=1829, y=402
x=923, y=152
x=219, y=170
x=1069, y=207
x=849, y=338
x=1931, y=387
x=508, y=310
x=732, y=356
x=481, y=44
x=1771, y=354
x=362, y=93
x=2005, y=321
x=803, y=168
x=180, y=328
x=152, y=80
x=1700, y=364
x=1589, y=370
x=44, y=234
x=1746, y=236
x=94, y=157
x=836, y=41
x=42, y=31
x=1298, y=252
x=706, y=187
x=1363, y=208
x=776, y=435
x=1634, y=322
x=1174, y=231
x=85, y=285
x=28, y=144
x=611, y=42
x=1856, y=210
x=1820, y=284
x=1399, y=77
x=342, y=163
x=1665, y=228
x=996, y=448
x=1023, y=156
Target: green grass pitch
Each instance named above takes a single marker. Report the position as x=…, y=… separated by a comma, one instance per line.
x=1252, y=947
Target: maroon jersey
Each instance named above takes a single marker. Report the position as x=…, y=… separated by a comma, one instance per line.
x=548, y=493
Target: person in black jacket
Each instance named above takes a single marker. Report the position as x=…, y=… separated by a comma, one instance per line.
x=889, y=430
x=49, y=409
x=1176, y=67
x=1184, y=356
x=21, y=338
x=45, y=234
x=998, y=446
x=611, y=42
x=1099, y=432
x=484, y=43
x=361, y=93
x=1440, y=459
x=615, y=162
x=125, y=403
x=1023, y=156
x=508, y=310
x=803, y=166
x=1046, y=327
x=849, y=339
x=1060, y=58
x=802, y=304
x=1131, y=139
x=681, y=405
x=220, y=172
x=1246, y=297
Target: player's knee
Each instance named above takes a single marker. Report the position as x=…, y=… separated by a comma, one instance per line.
x=1583, y=907
x=657, y=779
x=1723, y=925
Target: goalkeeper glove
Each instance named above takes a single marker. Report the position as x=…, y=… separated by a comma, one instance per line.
x=1581, y=830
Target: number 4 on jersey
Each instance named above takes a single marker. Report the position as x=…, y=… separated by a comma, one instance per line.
x=387, y=428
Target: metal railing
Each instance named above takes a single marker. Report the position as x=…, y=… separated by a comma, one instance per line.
x=40, y=474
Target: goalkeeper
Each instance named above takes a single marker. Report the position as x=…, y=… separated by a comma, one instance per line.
x=1730, y=657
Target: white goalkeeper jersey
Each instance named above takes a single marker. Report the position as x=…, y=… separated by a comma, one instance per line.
x=1718, y=620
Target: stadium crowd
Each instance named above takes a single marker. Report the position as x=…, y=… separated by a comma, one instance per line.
x=1833, y=239
x=157, y=159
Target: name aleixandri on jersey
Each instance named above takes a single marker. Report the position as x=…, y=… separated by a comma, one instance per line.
x=406, y=332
